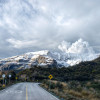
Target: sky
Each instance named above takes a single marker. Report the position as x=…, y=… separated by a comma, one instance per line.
x=32, y=25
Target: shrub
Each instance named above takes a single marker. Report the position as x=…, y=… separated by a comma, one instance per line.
x=59, y=85
x=52, y=86
x=79, y=89
x=85, y=93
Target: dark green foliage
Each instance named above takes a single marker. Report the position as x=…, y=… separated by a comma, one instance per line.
x=52, y=86
x=95, y=85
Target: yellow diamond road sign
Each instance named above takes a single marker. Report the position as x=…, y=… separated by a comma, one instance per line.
x=50, y=77
x=3, y=85
x=16, y=78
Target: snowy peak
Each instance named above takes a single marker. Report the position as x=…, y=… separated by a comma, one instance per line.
x=27, y=60
x=44, y=58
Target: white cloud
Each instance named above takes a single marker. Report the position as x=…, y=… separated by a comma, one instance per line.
x=78, y=47
x=21, y=44
x=48, y=22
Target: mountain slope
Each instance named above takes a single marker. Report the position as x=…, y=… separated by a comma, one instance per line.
x=44, y=58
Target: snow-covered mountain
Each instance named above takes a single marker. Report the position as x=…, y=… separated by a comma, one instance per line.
x=44, y=58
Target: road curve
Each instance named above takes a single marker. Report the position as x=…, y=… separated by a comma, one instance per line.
x=26, y=91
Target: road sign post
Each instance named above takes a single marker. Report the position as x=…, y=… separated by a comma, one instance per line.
x=50, y=85
x=16, y=79
x=9, y=78
x=50, y=77
x=5, y=81
x=3, y=76
x=25, y=79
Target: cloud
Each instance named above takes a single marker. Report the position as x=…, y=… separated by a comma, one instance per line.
x=21, y=44
x=78, y=47
x=80, y=50
x=42, y=24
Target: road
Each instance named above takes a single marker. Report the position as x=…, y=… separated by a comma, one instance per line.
x=26, y=91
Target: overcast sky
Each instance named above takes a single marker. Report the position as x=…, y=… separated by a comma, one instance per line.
x=30, y=25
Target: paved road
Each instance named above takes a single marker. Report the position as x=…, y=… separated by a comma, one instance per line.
x=26, y=91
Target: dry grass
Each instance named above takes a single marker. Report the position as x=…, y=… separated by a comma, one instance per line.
x=79, y=95
x=74, y=93
x=85, y=93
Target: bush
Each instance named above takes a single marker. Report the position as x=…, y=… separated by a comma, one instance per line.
x=73, y=85
x=52, y=86
x=59, y=85
x=79, y=89
x=85, y=93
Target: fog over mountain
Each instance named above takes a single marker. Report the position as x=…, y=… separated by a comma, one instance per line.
x=78, y=51
x=33, y=25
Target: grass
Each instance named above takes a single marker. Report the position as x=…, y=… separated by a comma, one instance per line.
x=72, y=90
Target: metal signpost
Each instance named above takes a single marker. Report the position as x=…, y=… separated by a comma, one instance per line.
x=25, y=79
x=5, y=81
x=50, y=77
x=9, y=78
x=3, y=76
x=16, y=79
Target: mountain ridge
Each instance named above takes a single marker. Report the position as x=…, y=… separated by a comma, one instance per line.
x=44, y=58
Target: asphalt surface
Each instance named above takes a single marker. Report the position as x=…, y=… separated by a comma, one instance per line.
x=26, y=91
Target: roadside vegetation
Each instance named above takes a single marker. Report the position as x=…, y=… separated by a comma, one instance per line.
x=73, y=90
